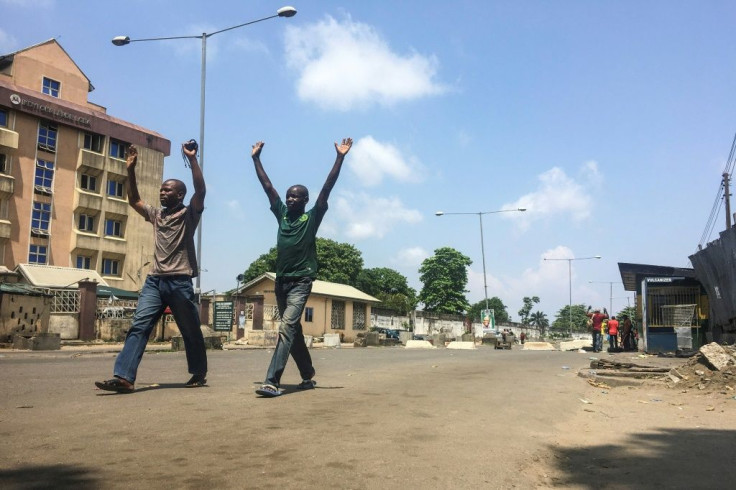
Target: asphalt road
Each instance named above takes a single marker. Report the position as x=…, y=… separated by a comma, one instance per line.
x=379, y=418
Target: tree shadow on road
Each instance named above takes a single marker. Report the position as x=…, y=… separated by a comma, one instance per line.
x=666, y=458
x=52, y=476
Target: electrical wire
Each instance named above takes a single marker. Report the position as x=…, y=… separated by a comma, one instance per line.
x=720, y=195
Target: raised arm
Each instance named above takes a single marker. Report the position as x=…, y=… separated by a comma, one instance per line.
x=134, y=198
x=342, y=150
x=200, y=189
x=272, y=194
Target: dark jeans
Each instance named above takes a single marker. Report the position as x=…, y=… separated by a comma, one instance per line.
x=291, y=296
x=597, y=341
x=158, y=292
x=613, y=341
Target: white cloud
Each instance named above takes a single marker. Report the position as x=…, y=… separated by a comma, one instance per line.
x=371, y=160
x=235, y=210
x=411, y=257
x=343, y=65
x=558, y=194
x=367, y=216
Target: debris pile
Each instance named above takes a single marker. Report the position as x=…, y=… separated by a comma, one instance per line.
x=712, y=369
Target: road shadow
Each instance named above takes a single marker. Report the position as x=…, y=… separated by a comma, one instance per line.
x=54, y=476
x=151, y=387
x=291, y=389
x=666, y=458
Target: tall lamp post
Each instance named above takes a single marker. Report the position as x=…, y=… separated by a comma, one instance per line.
x=569, y=275
x=610, y=292
x=123, y=40
x=482, y=247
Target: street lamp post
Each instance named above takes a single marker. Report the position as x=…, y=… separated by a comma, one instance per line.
x=569, y=276
x=610, y=292
x=482, y=247
x=123, y=40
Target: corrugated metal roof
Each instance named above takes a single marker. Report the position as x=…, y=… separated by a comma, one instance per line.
x=323, y=288
x=19, y=288
x=49, y=276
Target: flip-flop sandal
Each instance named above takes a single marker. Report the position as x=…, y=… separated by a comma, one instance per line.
x=115, y=384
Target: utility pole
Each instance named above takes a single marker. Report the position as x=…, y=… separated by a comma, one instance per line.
x=727, y=198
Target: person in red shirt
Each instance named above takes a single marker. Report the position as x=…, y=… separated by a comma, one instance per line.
x=597, y=318
x=612, y=333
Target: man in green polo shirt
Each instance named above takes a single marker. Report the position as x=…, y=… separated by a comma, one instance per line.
x=296, y=266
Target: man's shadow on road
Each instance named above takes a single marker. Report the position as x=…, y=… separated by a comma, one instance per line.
x=150, y=387
x=292, y=389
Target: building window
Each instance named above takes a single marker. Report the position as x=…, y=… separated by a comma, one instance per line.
x=113, y=228
x=84, y=262
x=51, y=87
x=86, y=223
x=37, y=254
x=41, y=218
x=359, y=315
x=308, y=314
x=110, y=267
x=88, y=182
x=118, y=149
x=4, y=164
x=114, y=188
x=93, y=142
x=338, y=315
x=3, y=118
x=47, y=136
x=44, y=176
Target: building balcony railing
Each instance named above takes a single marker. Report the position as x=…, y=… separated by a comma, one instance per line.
x=7, y=186
x=87, y=200
x=85, y=241
x=4, y=230
x=8, y=138
x=91, y=159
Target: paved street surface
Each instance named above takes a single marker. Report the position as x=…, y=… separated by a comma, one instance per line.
x=380, y=418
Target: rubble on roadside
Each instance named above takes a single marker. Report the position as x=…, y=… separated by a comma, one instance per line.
x=713, y=368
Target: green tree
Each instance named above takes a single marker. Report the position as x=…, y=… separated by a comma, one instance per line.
x=579, y=319
x=539, y=320
x=264, y=263
x=499, y=310
x=629, y=311
x=526, y=310
x=338, y=262
x=390, y=287
x=444, y=277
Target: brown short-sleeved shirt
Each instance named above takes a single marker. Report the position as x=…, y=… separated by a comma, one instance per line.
x=174, y=252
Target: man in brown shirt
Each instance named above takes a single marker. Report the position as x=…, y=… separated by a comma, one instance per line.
x=170, y=281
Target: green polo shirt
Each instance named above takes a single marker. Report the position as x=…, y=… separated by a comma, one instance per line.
x=296, y=242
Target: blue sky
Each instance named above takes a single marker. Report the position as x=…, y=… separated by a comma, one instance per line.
x=610, y=121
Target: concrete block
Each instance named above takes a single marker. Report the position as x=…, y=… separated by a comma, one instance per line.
x=405, y=336
x=332, y=340
x=372, y=339
x=439, y=339
x=39, y=341
x=716, y=356
x=461, y=345
x=574, y=344
x=538, y=346
x=419, y=344
x=309, y=340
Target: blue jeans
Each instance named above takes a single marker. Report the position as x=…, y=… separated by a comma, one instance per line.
x=613, y=341
x=291, y=296
x=597, y=341
x=158, y=292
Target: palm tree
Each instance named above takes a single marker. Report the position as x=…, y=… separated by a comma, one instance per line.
x=539, y=320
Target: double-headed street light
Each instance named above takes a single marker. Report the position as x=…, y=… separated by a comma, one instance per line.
x=123, y=40
x=569, y=275
x=482, y=247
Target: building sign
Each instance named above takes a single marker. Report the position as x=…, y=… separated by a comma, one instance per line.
x=51, y=111
x=222, y=316
x=663, y=279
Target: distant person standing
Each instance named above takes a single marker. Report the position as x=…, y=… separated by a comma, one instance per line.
x=597, y=322
x=170, y=281
x=522, y=337
x=613, y=334
x=626, y=334
x=296, y=266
